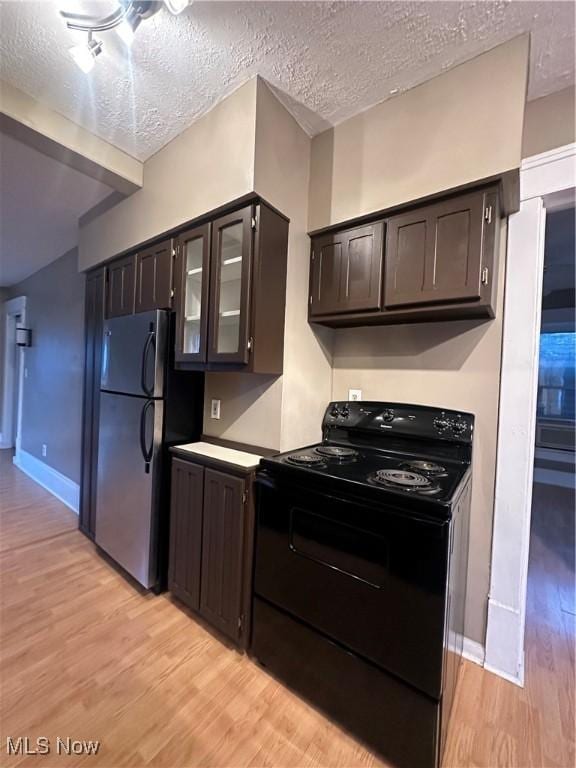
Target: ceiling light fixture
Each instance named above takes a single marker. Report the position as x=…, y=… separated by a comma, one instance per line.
x=85, y=54
x=125, y=19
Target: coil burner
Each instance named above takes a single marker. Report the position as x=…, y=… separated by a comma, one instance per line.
x=403, y=480
x=306, y=460
x=342, y=453
x=427, y=467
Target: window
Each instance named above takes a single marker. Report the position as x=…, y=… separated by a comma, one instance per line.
x=556, y=390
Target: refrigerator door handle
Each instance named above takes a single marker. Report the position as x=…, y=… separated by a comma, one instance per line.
x=105, y=357
x=149, y=344
x=147, y=452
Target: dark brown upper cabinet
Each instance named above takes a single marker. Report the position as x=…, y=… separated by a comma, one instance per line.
x=121, y=292
x=434, y=254
x=229, y=321
x=191, y=294
x=439, y=261
x=154, y=277
x=231, y=292
x=346, y=271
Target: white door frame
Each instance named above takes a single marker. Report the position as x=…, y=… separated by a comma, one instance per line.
x=541, y=176
x=13, y=374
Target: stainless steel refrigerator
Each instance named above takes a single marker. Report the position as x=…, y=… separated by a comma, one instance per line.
x=145, y=406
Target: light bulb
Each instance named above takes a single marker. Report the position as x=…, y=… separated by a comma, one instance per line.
x=85, y=55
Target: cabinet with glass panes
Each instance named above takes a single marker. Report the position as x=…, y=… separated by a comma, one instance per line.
x=231, y=297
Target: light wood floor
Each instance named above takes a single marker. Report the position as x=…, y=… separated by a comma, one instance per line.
x=83, y=654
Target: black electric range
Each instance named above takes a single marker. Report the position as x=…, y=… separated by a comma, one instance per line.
x=360, y=571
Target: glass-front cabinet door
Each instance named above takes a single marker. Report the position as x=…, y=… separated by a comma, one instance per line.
x=230, y=288
x=191, y=288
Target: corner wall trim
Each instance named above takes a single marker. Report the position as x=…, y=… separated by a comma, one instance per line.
x=55, y=482
x=473, y=651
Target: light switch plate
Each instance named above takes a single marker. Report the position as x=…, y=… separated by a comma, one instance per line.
x=354, y=395
x=215, y=409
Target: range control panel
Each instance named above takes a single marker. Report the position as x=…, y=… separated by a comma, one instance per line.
x=400, y=419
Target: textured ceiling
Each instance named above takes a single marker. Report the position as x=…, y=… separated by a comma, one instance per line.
x=330, y=59
x=40, y=202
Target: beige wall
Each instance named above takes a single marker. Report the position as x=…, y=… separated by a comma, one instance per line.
x=549, y=122
x=208, y=165
x=462, y=126
x=280, y=412
x=282, y=175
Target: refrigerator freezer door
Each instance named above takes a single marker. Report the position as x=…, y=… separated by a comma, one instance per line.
x=127, y=500
x=133, y=354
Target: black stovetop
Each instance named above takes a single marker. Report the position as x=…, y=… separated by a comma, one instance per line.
x=364, y=467
x=385, y=448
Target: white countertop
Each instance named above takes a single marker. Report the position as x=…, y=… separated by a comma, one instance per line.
x=229, y=455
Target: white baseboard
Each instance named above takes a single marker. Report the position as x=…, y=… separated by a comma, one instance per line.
x=517, y=680
x=58, y=484
x=504, y=657
x=473, y=651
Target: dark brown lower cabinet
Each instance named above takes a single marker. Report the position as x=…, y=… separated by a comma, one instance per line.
x=187, y=490
x=211, y=545
x=222, y=552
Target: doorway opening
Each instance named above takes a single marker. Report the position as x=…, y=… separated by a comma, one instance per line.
x=550, y=605
x=14, y=312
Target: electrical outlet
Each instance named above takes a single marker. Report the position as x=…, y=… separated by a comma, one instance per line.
x=215, y=409
x=44, y=449
x=354, y=395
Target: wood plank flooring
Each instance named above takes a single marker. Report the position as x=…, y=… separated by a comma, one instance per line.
x=86, y=655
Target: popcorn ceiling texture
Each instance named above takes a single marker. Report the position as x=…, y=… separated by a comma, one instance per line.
x=326, y=60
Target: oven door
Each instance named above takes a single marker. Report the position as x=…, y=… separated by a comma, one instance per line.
x=372, y=578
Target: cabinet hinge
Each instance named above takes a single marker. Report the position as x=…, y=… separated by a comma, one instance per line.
x=250, y=344
x=488, y=214
x=310, y=299
x=240, y=622
x=172, y=293
x=173, y=253
x=485, y=275
x=253, y=222
x=244, y=497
